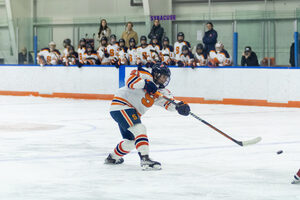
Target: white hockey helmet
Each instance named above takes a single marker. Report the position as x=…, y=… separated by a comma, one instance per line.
x=219, y=46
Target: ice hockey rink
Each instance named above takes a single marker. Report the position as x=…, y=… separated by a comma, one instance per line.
x=55, y=149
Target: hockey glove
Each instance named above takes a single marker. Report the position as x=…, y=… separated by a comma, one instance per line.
x=150, y=87
x=180, y=64
x=183, y=108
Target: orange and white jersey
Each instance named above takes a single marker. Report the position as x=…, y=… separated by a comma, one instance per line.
x=51, y=57
x=222, y=58
x=200, y=60
x=101, y=55
x=81, y=52
x=187, y=59
x=167, y=54
x=90, y=59
x=144, y=54
x=133, y=94
x=112, y=50
x=65, y=52
x=122, y=55
x=131, y=56
x=178, y=48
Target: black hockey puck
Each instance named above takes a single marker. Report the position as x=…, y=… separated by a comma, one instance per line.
x=279, y=152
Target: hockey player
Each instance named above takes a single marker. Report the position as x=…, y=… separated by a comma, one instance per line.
x=219, y=57
x=81, y=49
x=131, y=102
x=90, y=57
x=167, y=52
x=66, y=44
x=131, y=53
x=144, y=53
x=71, y=58
x=49, y=56
x=186, y=58
x=122, y=52
x=179, y=44
x=102, y=53
x=200, y=56
x=112, y=49
x=296, y=178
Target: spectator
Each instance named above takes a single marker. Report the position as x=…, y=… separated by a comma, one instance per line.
x=24, y=57
x=157, y=31
x=249, y=57
x=292, y=54
x=104, y=30
x=210, y=38
x=129, y=33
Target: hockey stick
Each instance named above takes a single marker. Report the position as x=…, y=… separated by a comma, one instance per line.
x=241, y=143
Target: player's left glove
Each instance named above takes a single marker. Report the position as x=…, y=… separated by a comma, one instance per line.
x=150, y=87
x=183, y=108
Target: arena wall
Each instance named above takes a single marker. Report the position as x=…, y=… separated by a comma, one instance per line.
x=230, y=85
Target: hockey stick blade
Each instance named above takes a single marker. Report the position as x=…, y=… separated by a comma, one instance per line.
x=250, y=142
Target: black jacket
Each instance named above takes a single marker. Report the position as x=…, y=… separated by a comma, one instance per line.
x=23, y=58
x=250, y=61
x=292, y=54
x=210, y=39
x=157, y=31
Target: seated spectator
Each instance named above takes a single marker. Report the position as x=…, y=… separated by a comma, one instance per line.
x=186, y=58
x=49, y=56
x=200, y=56
x=129, y=33
x=210, y=38
x=157, y=31
x=104, y=30
x=249, y=57
x=90, y=56
x=131, y=53
x=71, y=58
x=24, y=57
x=219, y=57
x=81, y=49
x=179, y=44
x=167, y=52
x=292, y=54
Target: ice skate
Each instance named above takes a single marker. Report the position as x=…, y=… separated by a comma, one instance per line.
x=147, y=164
x=111, y=161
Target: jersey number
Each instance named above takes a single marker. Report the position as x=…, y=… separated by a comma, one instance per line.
x=148, y=101
x=177, y=50
x=111, y=52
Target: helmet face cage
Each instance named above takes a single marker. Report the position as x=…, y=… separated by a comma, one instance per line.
x=158, y=71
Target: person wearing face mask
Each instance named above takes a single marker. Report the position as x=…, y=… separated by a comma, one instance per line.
x=129, y=33
x=49, y=56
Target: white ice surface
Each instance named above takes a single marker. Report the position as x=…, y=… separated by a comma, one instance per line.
x=54, y=149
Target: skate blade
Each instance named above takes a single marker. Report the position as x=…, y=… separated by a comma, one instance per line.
x=148, y=168
x=295, y=182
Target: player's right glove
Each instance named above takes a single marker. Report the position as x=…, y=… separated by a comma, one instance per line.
x=180, y=64
x=150, y=87
x=183, y=108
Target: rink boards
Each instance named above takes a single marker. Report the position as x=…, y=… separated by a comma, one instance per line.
x=229, y=85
